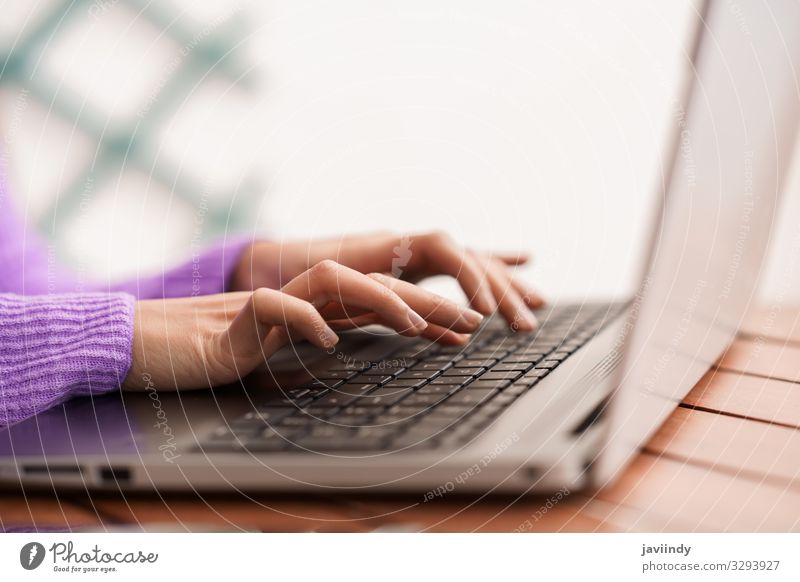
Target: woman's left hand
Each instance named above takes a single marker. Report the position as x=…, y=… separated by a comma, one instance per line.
x=484, y=277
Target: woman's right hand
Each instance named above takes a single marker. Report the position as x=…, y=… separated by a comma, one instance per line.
x=201, y=342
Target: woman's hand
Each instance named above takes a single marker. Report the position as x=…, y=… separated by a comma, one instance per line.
x=216, y=339
x=485, y=278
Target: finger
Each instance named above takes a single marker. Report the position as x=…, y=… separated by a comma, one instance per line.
x=445, y=336
x=277, y=338
x=512, y=259
x=335, y=310
x=329, y=281
x=444, y=256
x=354, y=322
x=509, y=301
x=267, y=308
x=530, y=296
x=433, y=332
x=434, y=308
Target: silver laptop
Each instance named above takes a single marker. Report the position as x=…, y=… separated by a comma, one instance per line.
x=566, y=406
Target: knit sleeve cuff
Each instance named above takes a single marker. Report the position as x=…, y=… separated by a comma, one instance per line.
x=53, y=347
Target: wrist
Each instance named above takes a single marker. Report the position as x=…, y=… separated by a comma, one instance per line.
x=136, y=372
x=242, y=276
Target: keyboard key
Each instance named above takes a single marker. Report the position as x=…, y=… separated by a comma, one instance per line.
x=336, y=375
x=417, y=375
x=547, y=364
x=354, y=410
x=447, y=411
x=451, y=380
x=407, y=383
x=510, y=376
x=423, y=400
x=464, y=372
x=333, y=400
x=404, y=412
x=521, y=359
x=320, y=412
x=532, y=377
x=297, y=421
x=374, y=400
x=450, y=350
x=438, y=389
x=512, y=367
x=481, y=384
x=355, y=389
x=382, y=372
x=350, y=419
x=354, y=367
x=471, y=397
x=433, y=366
x=454, y=358
x=377, y=379
x=268, y=415
x=320, y=384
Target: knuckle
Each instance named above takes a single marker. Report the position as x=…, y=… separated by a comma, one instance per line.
x=390, y=296
x=260, y=295
x=439, y=237
x=325, y=268
x=439, y=303
x=381, y=278
x=308, y=312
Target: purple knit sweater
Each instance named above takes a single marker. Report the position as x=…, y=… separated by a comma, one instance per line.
x=61, y=336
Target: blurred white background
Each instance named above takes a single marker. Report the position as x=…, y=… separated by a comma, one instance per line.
x=513, y=125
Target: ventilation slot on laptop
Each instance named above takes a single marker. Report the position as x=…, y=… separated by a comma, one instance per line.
x=591, y=419
x=115, y=475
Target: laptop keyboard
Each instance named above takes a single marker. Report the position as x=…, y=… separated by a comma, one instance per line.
x=421, y=396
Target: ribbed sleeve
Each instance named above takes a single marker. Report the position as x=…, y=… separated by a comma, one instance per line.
x=61, y=335
x=53, y=347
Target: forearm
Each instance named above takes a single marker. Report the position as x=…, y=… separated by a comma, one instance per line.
x=53, y=347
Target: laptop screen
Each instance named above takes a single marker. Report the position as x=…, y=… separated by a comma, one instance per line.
x=735, y=133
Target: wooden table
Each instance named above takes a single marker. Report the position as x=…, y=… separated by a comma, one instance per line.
x=728, y=459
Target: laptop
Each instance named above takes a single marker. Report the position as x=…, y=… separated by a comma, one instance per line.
x=568, y=405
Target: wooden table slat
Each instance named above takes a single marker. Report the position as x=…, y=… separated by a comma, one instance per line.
x=773, y=360
x=752, y=397
x=659, y=494
x=43, y=511
x=750, y=447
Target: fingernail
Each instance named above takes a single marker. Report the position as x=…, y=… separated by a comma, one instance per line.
x=471, y=317
x=535, y=296
x=416, y=320
x=524, y=320
x=329, y=337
